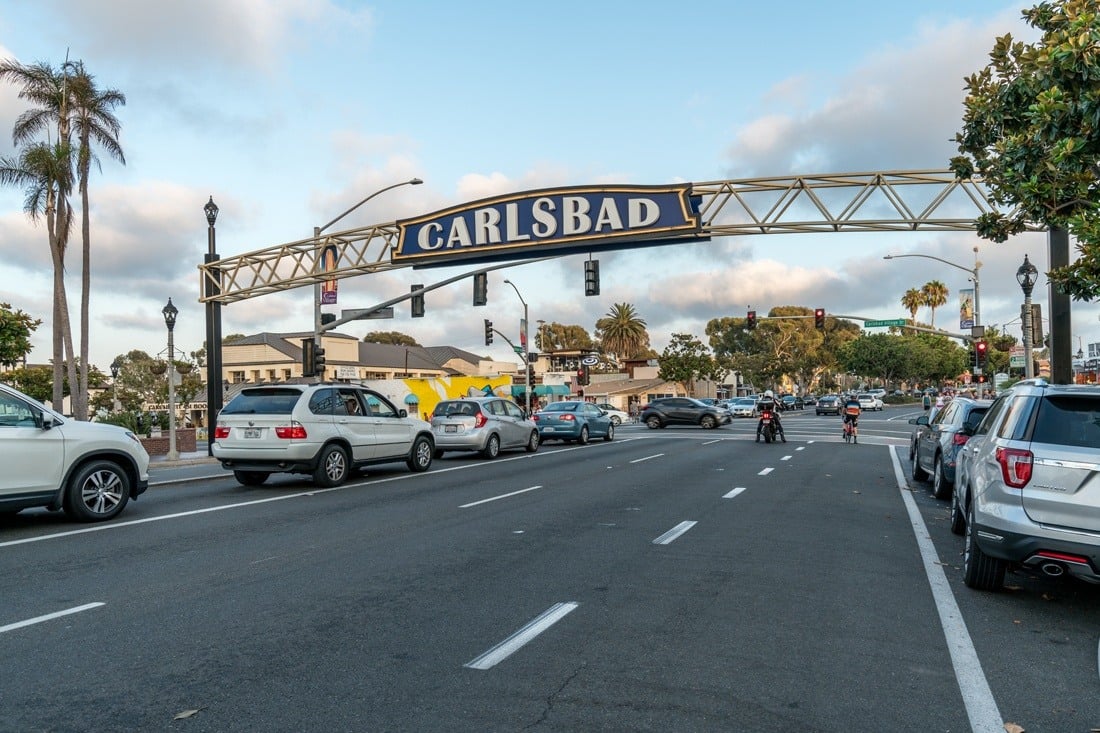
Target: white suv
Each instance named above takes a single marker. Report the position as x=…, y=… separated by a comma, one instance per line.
x=324, y=430
x=88, y=469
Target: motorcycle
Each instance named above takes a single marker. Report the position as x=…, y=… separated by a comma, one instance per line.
x=768, y=430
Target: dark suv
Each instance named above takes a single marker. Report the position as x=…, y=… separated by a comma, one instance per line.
x=667, y=411
x=936, y=444
x=1029, y=485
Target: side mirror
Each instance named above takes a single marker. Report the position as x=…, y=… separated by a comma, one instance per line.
x=922, y=420
x=48, y=421
x=402, y=412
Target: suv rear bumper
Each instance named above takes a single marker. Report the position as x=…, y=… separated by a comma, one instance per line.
x=1052, y=551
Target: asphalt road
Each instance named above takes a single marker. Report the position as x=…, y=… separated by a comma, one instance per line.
x=669, y=580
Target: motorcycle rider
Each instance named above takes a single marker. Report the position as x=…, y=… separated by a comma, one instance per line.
x=768, y=403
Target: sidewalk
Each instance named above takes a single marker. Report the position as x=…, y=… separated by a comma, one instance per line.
x=186, y=458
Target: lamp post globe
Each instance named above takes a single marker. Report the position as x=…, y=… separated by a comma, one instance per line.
x=1026, y=275
x=170, y=312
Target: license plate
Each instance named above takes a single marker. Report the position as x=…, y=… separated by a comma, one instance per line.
x=252, y=432
x=548, y=430
x=450, y=428
x=767, y=421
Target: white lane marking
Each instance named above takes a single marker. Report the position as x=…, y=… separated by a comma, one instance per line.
x=50, y=616
x=655, y=455
x=711, y=442
x=981, y=707
x=495, y=498
x=516, y=641
x=765, y=472
x=802, y=447
x=786, y=458
x=671, y=535
x=734, y=493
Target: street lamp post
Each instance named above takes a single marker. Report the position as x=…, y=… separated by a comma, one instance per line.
x=115, y=367
x=526, y=352
x=1026, y=276
x=214, y=394
x=170, y=312
x=318, y=254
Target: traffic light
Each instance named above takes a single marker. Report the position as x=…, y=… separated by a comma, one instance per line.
x=592, y=277
x=319, y=361
x=488, y=332
x=481, y=289
x=980, y=379
x=819, y=318
x=417, y=302
x=750, y=320
x=308, y=368
x=582, y=376
x=980, y=349
x=530, y=374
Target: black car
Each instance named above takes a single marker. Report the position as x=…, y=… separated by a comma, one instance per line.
x=791, y=402
x=667, y=411
x=828, y=405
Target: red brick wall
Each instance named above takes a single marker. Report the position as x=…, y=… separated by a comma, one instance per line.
x=185, y=442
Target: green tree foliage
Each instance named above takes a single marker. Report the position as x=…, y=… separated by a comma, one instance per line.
x=36, y=382
x=16, y=328
x=622, y=333
x=912, y=301
x=922, y=357
x=390, y=337
x=1031, y=130
x=686, y=359
x=934, y=294
x=553, y=337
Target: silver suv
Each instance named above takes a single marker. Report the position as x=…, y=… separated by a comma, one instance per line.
x=325, y=430
x=485, y=424
x=88, y=469
x=1029, y=485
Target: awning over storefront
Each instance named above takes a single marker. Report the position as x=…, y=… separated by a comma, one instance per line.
x=411, y=399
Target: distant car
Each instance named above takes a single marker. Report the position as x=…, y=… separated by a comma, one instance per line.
x=868, y=401
x=743, y=407
x=791, y=402
x=665, y=411
x=573, y=421
x=828, y=405
x=485, y=424
x=937, y=442
x=880, y=393
x=809, y=400
x=617, y=416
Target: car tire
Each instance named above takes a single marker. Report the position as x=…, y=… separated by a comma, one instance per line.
x=420, y=457
x=332, y=467
x=616, y=420
x=97, y=492
x=919, y=474
x=912, y=450
x=708, y=422
x=583, y=438
x=610, y=433
x=980, y=571
x=941, y=487
x=958, y=517
x=492, y=447
x=653, y=422
x=250, y=478
x=532, y=442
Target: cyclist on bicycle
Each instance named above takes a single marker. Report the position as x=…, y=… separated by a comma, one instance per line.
x=768, y=403
x=851, y=415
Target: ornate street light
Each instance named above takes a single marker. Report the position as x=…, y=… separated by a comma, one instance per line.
x=214, y=393
x=1026, y=276
x=115, y=367
x=170, y=312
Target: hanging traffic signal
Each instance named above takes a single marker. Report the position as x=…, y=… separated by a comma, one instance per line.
x=592, y=277
x=488, y=332
x=750, y=320
x=319, y=361
x=417, y=302
x=481, y=289
x=981, y=349
x=308, y=368
x=819, y=318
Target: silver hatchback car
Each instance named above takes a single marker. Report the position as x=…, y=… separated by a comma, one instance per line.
x=485, y=424
x=1029, y=492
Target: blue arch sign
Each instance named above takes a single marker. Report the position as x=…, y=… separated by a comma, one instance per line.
x=552, y=220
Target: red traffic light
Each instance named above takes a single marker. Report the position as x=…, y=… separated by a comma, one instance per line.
x=750, y=320
x=819, y=318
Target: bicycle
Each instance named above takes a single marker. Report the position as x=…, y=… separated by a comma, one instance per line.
x=851, y=432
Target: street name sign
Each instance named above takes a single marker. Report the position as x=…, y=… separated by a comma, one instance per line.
x=876, y=324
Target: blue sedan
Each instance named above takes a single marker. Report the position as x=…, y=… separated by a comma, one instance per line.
x=573, y=421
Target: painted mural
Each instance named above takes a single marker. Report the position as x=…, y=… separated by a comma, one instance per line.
x=420, y=396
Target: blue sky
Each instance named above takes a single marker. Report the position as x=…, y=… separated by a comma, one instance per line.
x=290, y=111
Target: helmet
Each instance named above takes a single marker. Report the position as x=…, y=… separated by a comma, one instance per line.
x=769, y=394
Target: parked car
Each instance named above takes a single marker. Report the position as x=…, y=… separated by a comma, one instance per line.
x=573, y=421
x=829, y=404
x=325, y=430
x=743, y=407
x=791, y=402
x=485, y=424
x=937, y=441
x=91, y=470
x=617, y=416
x=1031, y=495
x=665, y=411
x=868, y=402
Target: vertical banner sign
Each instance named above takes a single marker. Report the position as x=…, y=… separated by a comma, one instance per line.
x=523, y=334
x=966, y=308
x=328, y=264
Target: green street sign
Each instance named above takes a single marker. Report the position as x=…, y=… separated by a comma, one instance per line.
x=875, y=324
x=517, y=349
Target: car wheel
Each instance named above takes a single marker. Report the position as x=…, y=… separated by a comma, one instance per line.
x=251, y=478
x=616, y=420
x=420, y=457
x=492, y=447
x=332, y=469
x=98, y=491
x=941, y=487
x=958, y=518
x=610, y=433
x=708, y=422
x=653, y=422
x=919, y=474
x=583, y=439
x=532, y=442
x=980, y=571
x=912, y=450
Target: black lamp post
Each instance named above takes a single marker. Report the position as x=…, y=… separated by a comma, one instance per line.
x=115, y=367
x=1026, y=276
x=214, y=393
x=170, y=312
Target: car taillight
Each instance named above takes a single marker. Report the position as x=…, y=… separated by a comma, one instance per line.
x=480, y=420
x=960, y=438
x=1015, y=466
x=568, y=417
x=294, y=431
x=221, y=432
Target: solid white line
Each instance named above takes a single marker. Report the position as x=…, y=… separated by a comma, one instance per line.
x=981, y=707
x=786, y=458
x=734, y=493
x=671, y=535
x=50, y=616
x=711, y=442
x=765, y=472
x=516, y=641
x=655, y=455
x=494, y=498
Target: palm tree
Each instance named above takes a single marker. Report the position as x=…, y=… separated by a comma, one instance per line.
x=622, y=332
x=912, y=301
x=935, y=295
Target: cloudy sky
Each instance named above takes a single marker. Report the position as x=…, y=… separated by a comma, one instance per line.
x=287, y=112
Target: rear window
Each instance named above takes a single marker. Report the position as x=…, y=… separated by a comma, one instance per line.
x=450, y=409
x=1068, y=420
x=263, y=402
x=561, y=407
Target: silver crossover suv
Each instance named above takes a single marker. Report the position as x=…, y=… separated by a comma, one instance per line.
x=485, y=424
x=1029, y=488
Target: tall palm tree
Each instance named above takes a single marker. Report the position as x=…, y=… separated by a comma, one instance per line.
x=622, y=332
x=935, y=295
x=912, y=301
